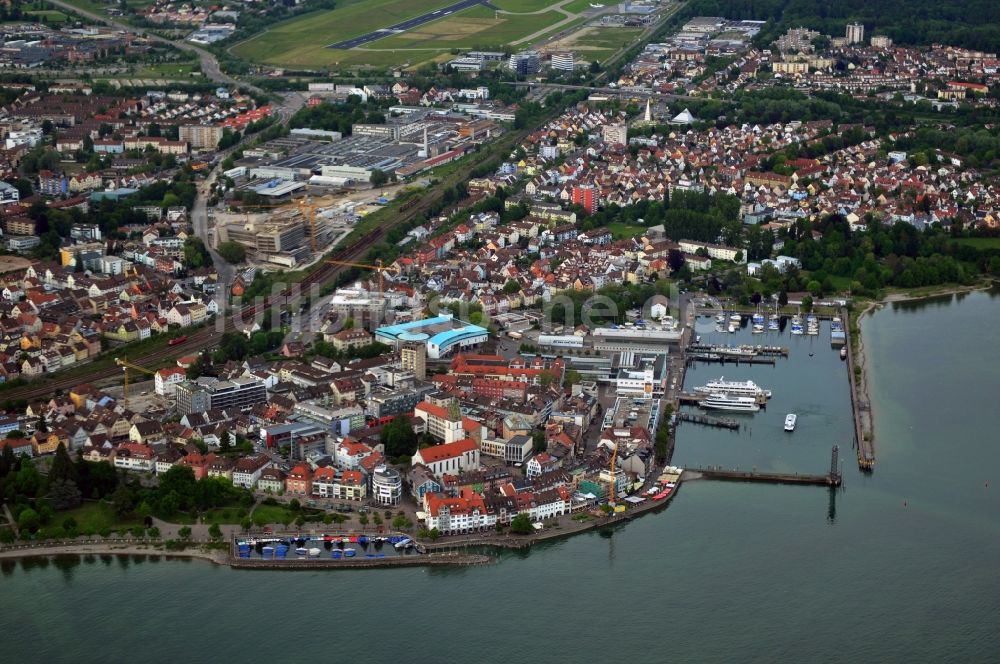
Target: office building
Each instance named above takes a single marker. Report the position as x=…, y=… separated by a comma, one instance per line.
x=562, y=61
x=414, y=359
x=855, y=33
x=524, y=63
x=208, y=393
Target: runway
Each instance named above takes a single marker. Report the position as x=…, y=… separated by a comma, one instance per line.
x=406, y=25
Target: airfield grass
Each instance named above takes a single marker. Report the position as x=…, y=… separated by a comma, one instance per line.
x=520, y=6
x=476, y=26
x=303, y=41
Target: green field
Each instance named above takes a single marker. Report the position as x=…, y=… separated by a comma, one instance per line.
x=476, y=26
x=979, y=242
x=303, y=41
x=166, y=70
x=97, y=516
x=622, y=231
x=520, y=6
x=50, y=15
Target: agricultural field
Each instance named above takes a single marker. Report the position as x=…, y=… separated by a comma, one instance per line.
x=303, y=41
x=49, y=16
x=591, y=43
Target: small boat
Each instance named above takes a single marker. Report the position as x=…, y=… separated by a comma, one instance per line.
x=732, y=328
x=772, y=324
x=736, y=318
x=336, y=554
x=790, y=421
x=402, y=544
x=758, y=328
x=758, y=318
x=314, y=553
x=301, y=551
x=720, y=318
x=350, y=553
x=843, y=353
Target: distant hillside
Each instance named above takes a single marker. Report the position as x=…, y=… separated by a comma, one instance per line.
x=973, y=24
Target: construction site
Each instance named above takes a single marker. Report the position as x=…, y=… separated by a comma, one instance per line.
x=288, y=236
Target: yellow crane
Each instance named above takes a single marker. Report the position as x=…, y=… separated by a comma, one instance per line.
x=126, y=365
x=611, y=481
x=378, y=267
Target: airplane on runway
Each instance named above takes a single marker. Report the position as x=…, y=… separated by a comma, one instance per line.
x=593, y=6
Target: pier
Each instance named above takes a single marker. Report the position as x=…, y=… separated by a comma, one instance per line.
x=865, y=442
x=719, y=422
x=740, y=351
x=712, y=358
x=758, y=476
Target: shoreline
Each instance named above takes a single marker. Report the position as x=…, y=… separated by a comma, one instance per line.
x=447, y=553
x=113, y=549
x=859, y=357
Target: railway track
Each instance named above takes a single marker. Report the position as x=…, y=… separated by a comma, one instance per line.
x=210, y=336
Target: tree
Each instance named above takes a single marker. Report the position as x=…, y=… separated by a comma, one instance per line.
x=399, y=438
x=28, y=520
x=521, y=525
x=538, y=443
x=215, y=532
x=675, y=259
x=378, y=178
x=62, y=466
x=184, y=533
x=807, y=303
x=511, y=287
x=400, y=522
x=122, y=501
x=782, y=298
x=64, y=494
x=232, y=252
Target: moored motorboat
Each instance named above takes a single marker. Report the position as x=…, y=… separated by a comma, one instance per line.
x=790, y=420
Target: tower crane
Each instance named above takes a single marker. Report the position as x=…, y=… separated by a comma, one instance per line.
x=126, y=365
x=612, y=496
x=378, y=267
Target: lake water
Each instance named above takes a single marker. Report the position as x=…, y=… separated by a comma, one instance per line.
x=899, y=566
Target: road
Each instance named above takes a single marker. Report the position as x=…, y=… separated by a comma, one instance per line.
x=209, y=64
x=406, y=25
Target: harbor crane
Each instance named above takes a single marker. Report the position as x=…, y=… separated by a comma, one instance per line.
x=377, y=267
x=126, y=365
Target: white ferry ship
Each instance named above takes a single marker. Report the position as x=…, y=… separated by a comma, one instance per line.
x=738, y=388
x=729, y=402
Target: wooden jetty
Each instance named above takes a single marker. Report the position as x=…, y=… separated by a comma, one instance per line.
x=757, y=476
x=712, y=358
x=719, y=422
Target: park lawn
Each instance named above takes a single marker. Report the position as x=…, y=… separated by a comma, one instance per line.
x=622, y=231
x=274, y=514
x=225, y=515
x=979, y=242
x=97, y=515
x=303, y=40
